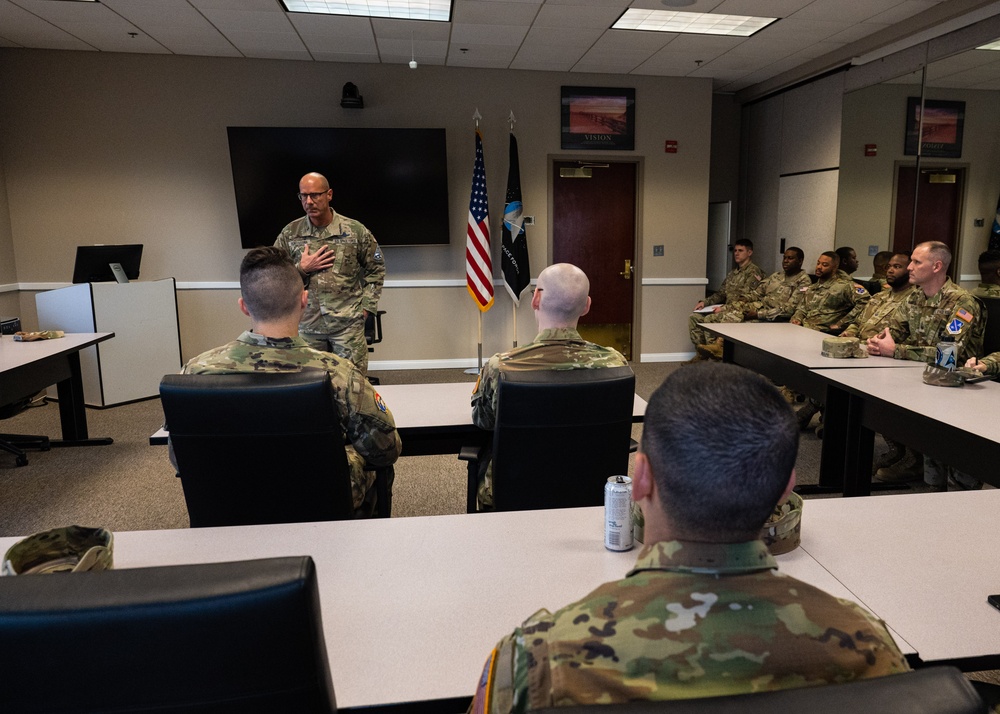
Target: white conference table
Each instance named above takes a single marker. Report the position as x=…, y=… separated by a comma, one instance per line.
x=413, y=606
x=791, y=355
x=433, y=418
x=29, y=367
x=957, y=425
x=924, y=563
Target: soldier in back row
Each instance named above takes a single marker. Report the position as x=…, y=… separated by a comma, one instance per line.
x=744, y=282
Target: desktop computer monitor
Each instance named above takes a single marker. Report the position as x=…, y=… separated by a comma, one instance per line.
x=93, y=262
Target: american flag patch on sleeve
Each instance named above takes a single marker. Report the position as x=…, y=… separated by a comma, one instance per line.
x=964, y=315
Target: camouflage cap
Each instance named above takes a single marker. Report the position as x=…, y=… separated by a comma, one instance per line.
x=69, y=549
x=782, y=531
x=843, y=348
x=940, y=377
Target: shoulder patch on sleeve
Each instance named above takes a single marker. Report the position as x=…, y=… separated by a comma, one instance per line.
x=964, y=315
x=379, y=402
x=481, y=703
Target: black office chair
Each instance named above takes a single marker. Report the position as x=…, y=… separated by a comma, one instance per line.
x=559, y=435
x=224, y=637
x=933, y=690
x=16, y=444
x=261, y=448
x=373, y=335
x=874, y=287
x=991, y=336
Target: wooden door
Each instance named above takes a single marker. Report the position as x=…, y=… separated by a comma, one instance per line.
x=939, y=207
x=593, y=227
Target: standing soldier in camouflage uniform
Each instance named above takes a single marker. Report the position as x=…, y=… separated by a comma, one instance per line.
x=989, y=272
x=272, y=296
x=780, y=296
x=744, y=282
x=344, y=268
x=830, y=298
x=703, y=612
x=560, y=299
x=938, y=307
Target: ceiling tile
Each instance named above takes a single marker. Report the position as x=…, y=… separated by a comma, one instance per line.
x=566, y=16
x=478, y=12
x=506, y=35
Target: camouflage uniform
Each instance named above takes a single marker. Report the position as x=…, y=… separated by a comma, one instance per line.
x=339, y=294
x=826, y=303
x=987, y=290
x=921, y=321
x=369, y=429
x=779, y=299
x=875, y=314
x=744, y=283
x=556, y=349
x=690, y=620
x=992, y=362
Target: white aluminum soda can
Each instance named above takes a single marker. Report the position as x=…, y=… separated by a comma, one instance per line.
x=618, y=513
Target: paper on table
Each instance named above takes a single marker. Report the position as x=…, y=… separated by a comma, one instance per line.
x=706, y=310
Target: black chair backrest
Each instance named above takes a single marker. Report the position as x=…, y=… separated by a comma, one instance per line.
x=932, y=690
x=258, y=448
x=991, y=336
x=559, y=435
x=874, y=287
x=222, y=637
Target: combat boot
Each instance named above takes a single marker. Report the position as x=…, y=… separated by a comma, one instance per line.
x=711, y=351
x=909, y=468
x=806, y=413
x=889, y=457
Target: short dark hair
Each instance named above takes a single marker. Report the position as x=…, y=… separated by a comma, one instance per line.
x=904, y=253
x=270, y=284
x=834, y=255
x=745, y=242
x=798, y=252
x=989, y=263
x=844, y=252
x=721, y=442
x=884, y=256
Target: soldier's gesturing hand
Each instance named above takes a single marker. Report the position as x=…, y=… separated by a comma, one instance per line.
x=315, y=262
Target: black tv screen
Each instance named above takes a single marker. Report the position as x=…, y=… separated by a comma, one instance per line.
x=395, y=181
x=93, y=262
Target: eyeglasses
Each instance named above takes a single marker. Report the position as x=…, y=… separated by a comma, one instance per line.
x=313, y=196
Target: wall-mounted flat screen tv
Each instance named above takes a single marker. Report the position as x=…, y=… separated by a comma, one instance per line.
x=395, y=181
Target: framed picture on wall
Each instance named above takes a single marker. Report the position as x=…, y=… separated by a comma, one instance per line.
x=942, y=130
x=598, y=118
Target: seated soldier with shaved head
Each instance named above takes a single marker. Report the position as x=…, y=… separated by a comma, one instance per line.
x=561, y=297
x=703, y=612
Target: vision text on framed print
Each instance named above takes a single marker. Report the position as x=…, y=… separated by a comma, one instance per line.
x=942, y=130
x=598, y=118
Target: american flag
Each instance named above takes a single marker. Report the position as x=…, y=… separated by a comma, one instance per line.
x=478, y=265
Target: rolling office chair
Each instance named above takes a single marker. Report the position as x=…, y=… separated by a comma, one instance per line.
x=222, y=637
x=261, y=448
x=373, y=334
x=559, y=435
x=991, y=336
x=17, y=443
x=932, y=690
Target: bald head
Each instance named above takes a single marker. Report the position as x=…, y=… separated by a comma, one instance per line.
x=314, y=182
x=562, y=296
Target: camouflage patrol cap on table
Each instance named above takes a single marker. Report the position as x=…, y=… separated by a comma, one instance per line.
x=843, y=348
x=69, y=549
x=941, y=377
x=782, y=531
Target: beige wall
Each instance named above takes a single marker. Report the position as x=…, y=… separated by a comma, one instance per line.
x=104, y=148
x=876, y=115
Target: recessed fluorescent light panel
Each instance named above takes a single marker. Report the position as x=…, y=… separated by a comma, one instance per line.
x=698, y=23
x=995, y=45
x=439, y=10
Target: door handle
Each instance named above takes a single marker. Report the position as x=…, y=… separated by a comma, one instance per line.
x=627, y=273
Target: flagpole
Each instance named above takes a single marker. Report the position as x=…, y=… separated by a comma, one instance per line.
x=479, y=345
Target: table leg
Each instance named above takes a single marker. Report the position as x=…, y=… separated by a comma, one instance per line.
x=73, y=411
